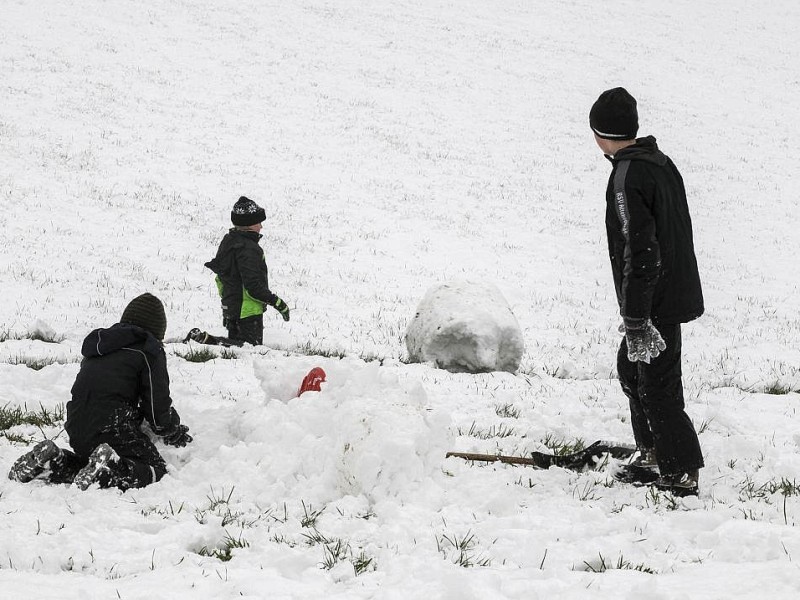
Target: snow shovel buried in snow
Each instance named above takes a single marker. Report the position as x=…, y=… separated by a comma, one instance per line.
x=313, y=381
x=576, y=461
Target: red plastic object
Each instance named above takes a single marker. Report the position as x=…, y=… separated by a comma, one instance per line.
x=312, y=381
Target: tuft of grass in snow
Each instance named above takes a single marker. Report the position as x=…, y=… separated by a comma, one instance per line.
x=228, y=354
x=219, y=504
x=500, y=431
x=507, y=411
x=44, y=336
x=35, y=363
x=560, y=446
x=15, y=438
x=601, y=566
x=13, y=416
x=280, y=538
x=372, y=357
x=224, y=551
x=749, y=515
x=462, y=550
x=197, y=355
x=778, y=378
x=748, y=490
x=215, y=500
x=315, y=537
x=704, y=425
x=785, y=487
x=309, y=349
x=336, y=550
x=779, y=389
x=310, y=516
x=363, y=563
x=655, y=497
x=526, y=484
x=38, y=335
x=586, y=491
x=170, y=510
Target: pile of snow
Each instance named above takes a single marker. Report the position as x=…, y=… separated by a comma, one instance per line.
x=365, y=433
x=465, y=326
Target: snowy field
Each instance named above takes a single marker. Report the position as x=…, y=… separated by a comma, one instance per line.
x=395, y=146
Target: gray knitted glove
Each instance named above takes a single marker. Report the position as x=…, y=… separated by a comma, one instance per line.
x=644, y=341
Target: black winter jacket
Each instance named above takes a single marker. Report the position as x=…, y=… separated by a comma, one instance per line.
x=242, y=272
x=124, y=372
x=650, y=237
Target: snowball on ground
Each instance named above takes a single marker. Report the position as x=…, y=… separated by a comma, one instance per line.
x=465, y=326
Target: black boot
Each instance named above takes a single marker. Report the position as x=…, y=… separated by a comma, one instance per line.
x=641, y=470
x=32, y=464
x=680, y=484
x=98, y=469
x=195, y=335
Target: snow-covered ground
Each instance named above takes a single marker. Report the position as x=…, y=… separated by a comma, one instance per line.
x=397, y=145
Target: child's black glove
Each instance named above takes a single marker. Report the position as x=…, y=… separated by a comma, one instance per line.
x=281, y=307
x=178, y=437
x=644, y=341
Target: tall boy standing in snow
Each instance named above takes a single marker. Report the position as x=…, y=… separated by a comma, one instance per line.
x=242, y=279
x=122, y=382
x=658, y=288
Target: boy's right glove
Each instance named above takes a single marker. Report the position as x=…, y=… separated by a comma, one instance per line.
x=644, y=340
x=282, y=308
x=178, y=437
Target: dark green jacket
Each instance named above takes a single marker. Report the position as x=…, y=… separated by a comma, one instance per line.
x=242, y=277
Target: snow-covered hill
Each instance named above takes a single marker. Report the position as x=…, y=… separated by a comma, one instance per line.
x=396, y=145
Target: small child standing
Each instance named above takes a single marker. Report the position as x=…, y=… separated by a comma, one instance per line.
x=122, y=383
x=242, y=278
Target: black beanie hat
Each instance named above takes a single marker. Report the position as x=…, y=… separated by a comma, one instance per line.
x=246, y=212
x=147, y=312
x=614, y=115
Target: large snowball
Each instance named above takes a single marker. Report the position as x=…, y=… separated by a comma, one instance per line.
x=465, y=326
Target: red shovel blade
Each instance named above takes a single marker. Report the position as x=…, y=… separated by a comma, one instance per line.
x=312, y=381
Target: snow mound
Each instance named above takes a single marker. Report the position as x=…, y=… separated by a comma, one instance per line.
x=465, y=326
x=365, y=433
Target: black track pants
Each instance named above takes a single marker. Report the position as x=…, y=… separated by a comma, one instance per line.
x=249, y=329
x=140, y=464
x=658, y=418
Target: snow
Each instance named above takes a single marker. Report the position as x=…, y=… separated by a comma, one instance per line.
x=465, y=326
x=394, y=146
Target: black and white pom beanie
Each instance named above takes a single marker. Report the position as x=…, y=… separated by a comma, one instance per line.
x=614, y=115
x=246, y=212
x=147, y=312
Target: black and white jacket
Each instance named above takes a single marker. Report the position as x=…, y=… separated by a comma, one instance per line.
x=650, y=240
x=123, y=375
